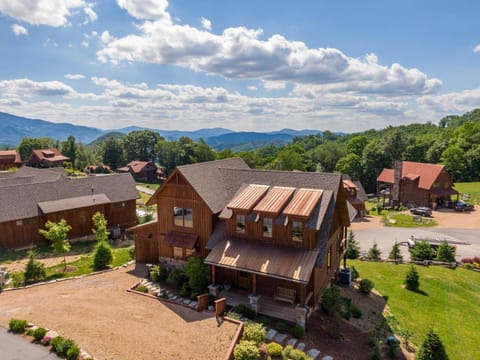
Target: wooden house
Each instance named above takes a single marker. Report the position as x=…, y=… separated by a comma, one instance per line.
x=276, y=236
x=413, y=183
x=9, y=159
x=46, y=158
x=143, y=171
x=30, y=197
x=356, y=197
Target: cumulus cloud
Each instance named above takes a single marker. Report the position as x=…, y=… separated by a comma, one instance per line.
x=242, y=53
x=206, y=24
x=453, y=102
x=19, y=30
x=477, y=48
x=45, y=12
x=106, y=37
x=27, y=87
x=75, y=76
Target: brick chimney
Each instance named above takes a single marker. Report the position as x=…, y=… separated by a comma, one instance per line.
x=397, y=176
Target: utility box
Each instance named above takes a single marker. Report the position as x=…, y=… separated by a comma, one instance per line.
x=345, y=276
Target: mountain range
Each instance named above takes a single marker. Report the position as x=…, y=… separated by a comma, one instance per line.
x=14, y=128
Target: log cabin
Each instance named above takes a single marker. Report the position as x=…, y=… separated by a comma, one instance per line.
x=356, y=197
x=46, y=158
x=272, y=239
x=143, y=171
x=30, y=197
x=9, y=159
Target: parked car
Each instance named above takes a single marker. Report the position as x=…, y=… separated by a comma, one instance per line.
x=421, y=210
x=462, y=206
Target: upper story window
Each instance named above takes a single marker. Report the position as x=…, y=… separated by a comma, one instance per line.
x=183, y=217
x=267, y=227
x=240, y=224
x=297, y=231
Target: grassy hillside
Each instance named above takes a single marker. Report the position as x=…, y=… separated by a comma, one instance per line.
x=449, y=302
x=472, y=188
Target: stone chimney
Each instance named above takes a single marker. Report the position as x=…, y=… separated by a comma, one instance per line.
x=397, y=176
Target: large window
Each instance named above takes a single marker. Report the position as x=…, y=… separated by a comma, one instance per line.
x=183, y=217
x=297, y=231
x=267, y=227
x=177, y=253
x=240, y=224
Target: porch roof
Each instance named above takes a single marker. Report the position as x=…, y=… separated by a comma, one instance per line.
x=181, y=240
x=49, y=207
x=285, y=263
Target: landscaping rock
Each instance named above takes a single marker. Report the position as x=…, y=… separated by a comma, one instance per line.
x=187, y=301
x=280, y=338
x=313, y=353
x=271, y=334
x=301, y=346
x=292, y=342
x=327, y=358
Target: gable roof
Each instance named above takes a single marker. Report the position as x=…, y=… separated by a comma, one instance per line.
x=426, y=173
x=21, y=194
x=50, y=155
x=10, y=156
x=136, y=166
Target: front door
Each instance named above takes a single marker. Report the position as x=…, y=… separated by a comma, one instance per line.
x=244, y=280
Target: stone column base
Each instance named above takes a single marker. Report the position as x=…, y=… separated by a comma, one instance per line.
x=301, y=316
x=254, y=302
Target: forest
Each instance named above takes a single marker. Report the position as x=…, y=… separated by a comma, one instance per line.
x=454, y=142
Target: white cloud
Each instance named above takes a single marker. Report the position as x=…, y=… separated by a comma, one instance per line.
x=106, y=37
x=477, y=48
x=241, y=53
x=206, y=24
x=75, y=76
x=274, y=85
x=252, y=88
x=85, y=43
x=45, y=12
x=19, y=30
x=27, y=87
x=91, y=15
x=453, y=102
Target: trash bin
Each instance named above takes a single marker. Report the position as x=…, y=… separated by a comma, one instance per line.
x=345, y=276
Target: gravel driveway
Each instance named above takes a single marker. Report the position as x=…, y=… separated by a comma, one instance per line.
x=110, y=323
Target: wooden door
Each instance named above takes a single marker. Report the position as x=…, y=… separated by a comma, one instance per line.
x=244, y=280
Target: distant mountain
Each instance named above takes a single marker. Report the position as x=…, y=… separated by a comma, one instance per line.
x=114, y=134
x=14, y=128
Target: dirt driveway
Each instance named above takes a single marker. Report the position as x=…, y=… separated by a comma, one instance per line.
x=111, y=323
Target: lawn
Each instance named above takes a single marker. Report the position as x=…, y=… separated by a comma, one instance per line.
x=449, y=302
x=151, y=186
x=407, y=220
x=472, y=188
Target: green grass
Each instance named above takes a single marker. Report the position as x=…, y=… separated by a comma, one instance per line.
x=472, y=188
x=406, y=220
x=449, y=302
x=151, y=186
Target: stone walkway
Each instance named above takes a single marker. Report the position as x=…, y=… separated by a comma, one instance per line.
x=272, y=334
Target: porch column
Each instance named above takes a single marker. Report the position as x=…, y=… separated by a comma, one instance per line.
x=213, y=274
x=303, y=290
x=254, y=284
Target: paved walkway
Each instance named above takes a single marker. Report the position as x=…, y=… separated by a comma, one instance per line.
x=15, y=347
x=145, y=190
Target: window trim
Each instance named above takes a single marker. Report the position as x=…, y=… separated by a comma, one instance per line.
x=184, y=211
x=239, y=224
x=267, y=234
x=297, y=238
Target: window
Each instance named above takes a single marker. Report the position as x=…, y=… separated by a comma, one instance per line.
x=177, y=253
x=189, y=252
x=329, y=257
x=183, y=217
x=297, y=231
x=240, y=226
x=267, y=227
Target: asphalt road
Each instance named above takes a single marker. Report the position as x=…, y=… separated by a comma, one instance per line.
x=15, y=347
x=467, y=241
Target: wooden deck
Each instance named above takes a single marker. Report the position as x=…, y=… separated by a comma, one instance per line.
x=268, y=306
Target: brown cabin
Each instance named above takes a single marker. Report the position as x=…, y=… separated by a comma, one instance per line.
x=46, y=158
x=356, y=197
x=413, y=183
x=277, y=236
x=143, y=171
x=9, y=159
x=30, y=197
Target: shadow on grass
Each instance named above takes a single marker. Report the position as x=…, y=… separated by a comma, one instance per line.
x=419, y=291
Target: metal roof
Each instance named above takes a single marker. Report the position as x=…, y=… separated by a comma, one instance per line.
x=303, y=202
x=48, y=207
x=275, y=200
x=248, y=197
x=179, y=239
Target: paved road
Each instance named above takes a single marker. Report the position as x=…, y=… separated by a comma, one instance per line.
x=145, y=190
x=15, y=347
x=467, y=241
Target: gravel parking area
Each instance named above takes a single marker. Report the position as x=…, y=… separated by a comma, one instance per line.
x=110, y=323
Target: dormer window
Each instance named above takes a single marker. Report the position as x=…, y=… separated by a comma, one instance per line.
x=267, y=227
x=183, y=217
x=297, y=231
x=240, y=224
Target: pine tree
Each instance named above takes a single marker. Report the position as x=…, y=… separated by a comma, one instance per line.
x=412, y=279
x=374, y=253
x=432, y=348
x=445, y=252
x=353, y=248
x=395, y=253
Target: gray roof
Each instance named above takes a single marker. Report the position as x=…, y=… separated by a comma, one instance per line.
x=21, y=200
x=52, y=206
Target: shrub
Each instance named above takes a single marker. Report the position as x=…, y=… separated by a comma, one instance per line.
x=421, y=251
x=17, y=326
x=294, y=354
x=331, y=301
x=297, y=332
x=446, y=252
x=365, y=286
x=73, y=353
x=244, y=310
x=185, y=291
x=353, y=248
x=374, y=253
x=39, y=334
x=246, y=350
x=196, y=271
x=158, y=273
x=131, y=251
x=177, y=278
x=412, y=279
x=356, y=312
x=34, y=270
x=431, y=348
x=254, y=332
x=274, y=349
x=46, y=340
x=17, y=279
x=61, y=346
x=355, y=273
x=141, y=288
x=395, y=252
x=103, y=255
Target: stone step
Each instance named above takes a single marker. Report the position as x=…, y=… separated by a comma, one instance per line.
x=292, y=342
x=313, y=353
x=271, y=334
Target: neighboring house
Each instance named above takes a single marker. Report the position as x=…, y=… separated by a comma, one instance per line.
x=356, y=196
x=413, y=183
x=9, y=159
x=276, y=235
x=46, y=158
x=143, y=171
x=30, y=197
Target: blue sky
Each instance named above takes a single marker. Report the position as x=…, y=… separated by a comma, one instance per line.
x=244, y=65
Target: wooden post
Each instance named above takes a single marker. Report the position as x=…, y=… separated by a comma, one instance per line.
x=202, y=301
x=254, y=284
x=220, y=306
x=213, y=274
x=303, y=290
